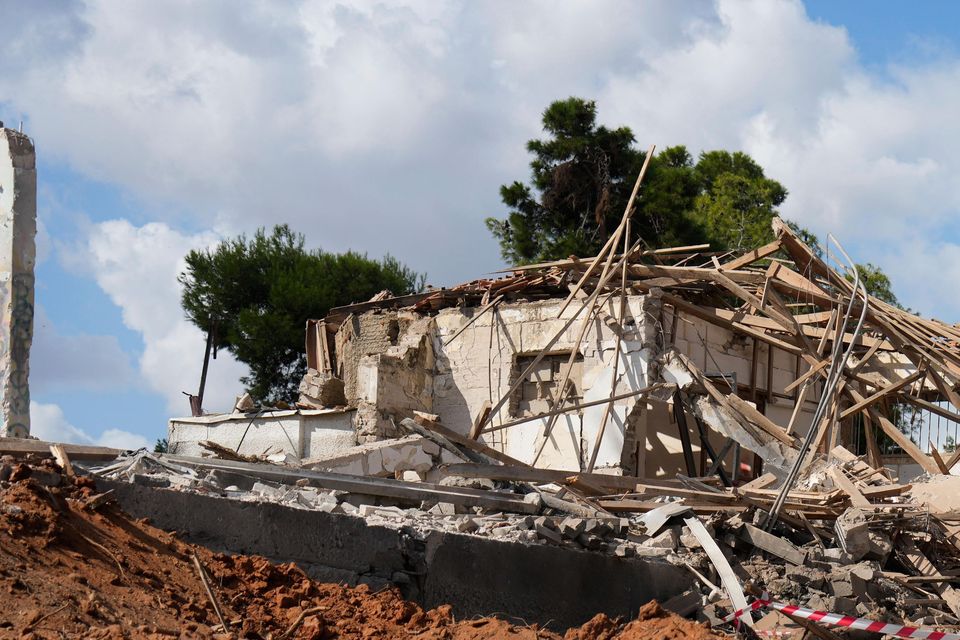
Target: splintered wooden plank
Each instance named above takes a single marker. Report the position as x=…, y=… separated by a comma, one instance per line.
x=410, y=492
x=846, y=485
x=944, y=469
x=884, y=490
x=882, y=393
x=762, y=482
x=481, y=419
x=896, y=435
x=466, y=442
x=642, y=506
x=803, y=378
x=614, y=484
x=916, y=559
x=750, y=412
x=717, y=317
x=751, y=256
x=60, y=454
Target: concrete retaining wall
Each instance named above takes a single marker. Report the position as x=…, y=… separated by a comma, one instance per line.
x=476, y=576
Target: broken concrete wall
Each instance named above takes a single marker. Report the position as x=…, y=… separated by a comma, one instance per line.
x=393, y=384
x=484, y=360
x=359, y=336
x=383, y=458
x=18, y=230
x=399, y=362
x=305, y=433
x=476, y=575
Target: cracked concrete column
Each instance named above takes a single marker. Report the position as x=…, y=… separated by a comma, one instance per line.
x=18, y=230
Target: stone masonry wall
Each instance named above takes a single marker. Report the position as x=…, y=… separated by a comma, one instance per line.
x=359, y=336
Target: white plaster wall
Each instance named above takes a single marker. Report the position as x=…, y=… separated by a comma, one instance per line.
x=303, y=434
x=477, y=366
x=326, y=433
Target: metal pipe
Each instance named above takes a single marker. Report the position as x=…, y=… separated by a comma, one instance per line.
x=838, y=359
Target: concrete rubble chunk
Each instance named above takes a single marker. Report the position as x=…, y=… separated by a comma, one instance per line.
x=548, y=534
x=467, y=525
x=319, y=389
x=572, y=527
x=244, y=404
x=443, y=509
x=668, y=539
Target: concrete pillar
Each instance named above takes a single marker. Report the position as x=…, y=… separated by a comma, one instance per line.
x=18, y=230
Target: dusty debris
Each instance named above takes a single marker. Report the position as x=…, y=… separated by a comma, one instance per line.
x=55, y=583
x=719, y=412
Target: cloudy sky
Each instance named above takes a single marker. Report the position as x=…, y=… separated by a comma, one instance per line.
x=388, y=127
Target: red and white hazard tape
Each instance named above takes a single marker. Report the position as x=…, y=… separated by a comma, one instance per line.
x=837, y=620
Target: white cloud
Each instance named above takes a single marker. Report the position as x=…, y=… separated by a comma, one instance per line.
x=387, y=127
x=48, y=422
x=76, y=362
x=138, y=267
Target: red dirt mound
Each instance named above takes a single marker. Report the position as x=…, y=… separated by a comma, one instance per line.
x=67, y=571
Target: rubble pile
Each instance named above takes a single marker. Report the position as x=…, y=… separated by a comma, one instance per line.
x=824, y=553
x=785, y=487
x=75, y=566
x=803, y=518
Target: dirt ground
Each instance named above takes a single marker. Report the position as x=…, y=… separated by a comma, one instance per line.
x=70, y=571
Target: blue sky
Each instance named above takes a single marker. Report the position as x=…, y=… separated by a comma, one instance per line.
x=162, y=127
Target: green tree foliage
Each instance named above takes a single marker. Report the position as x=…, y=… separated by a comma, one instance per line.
x=736, y=202
x=878, y=283
x=256, y=295
x=582, y=176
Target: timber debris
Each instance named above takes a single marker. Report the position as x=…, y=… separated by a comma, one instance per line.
x=746, y=417
x=769, y=496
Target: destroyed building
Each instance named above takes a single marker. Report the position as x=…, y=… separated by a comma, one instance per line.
x=668, y=423
x=709, y=364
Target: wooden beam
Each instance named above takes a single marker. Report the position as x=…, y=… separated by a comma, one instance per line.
x=720, y=278
x=954, y=458
x=846, y=485
x=577, y=407
x=410, y=492
x=681, y=419
x=931, y=407
x=60, y=454
x=896, y=435
x=944, y=469
x=751, y=256
x=750, y=412
x=480, y=419
x=803, y=378
x=558, y=476
x=885, y=391
x=717, y=317
x=762, y=482
x=642, y=506
x=922, y=565
x=465, y=441
x=19, y=447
